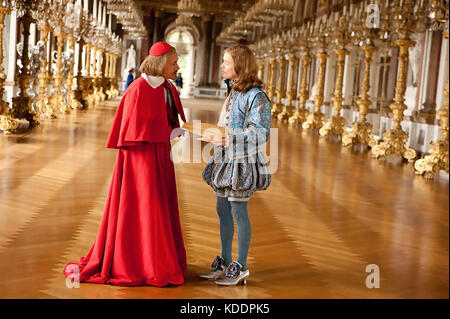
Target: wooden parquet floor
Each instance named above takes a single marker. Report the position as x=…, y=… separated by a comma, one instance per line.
x=328, y=214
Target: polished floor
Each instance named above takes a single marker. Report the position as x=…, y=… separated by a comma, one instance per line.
x=329, y=213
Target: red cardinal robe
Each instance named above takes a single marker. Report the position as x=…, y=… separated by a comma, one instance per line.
x=140, y=240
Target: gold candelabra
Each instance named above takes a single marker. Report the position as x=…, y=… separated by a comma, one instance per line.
x=71, y=96
x=336, y=123
x=280, y=83
x=88, y=79
x=361, y=132
x=271, y=89
x=301, y=113
x=405, y=20
x=315, y=119
x=22, y=104
x=43, y=103
x=292, y=89
x=57, y=99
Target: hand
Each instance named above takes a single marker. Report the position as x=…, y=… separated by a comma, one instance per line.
x=177, y=132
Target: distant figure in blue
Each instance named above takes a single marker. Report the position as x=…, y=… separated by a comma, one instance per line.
x=179, y=83
x=130, y=78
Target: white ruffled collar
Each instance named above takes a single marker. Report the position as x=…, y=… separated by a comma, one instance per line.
x=153, y=81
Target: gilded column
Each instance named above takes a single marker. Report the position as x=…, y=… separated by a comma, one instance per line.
x=7, y=123
x=301, y=113
x=43, y=103
x=292, y=89
x=100, y=76
x=271, y=90
x=315, y=119
x=336, y=123
x=87, y=81
x=116, y=89
x=71, y=95
x=78, y=88
x=280, y=86
x=261, y=70
x=94, y=96
x=108, y=75
x=57, y=99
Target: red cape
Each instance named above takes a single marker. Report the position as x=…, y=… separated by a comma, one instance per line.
x=140, y=240
x=141, y=116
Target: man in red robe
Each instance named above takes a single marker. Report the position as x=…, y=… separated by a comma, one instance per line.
x=140, y=240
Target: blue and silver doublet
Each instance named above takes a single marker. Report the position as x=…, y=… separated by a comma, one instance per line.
x=239, y=169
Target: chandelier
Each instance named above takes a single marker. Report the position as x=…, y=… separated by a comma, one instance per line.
x=277, y=7
x=22, y=6
x=129, y=15
x=189, y=8
x=261, y=13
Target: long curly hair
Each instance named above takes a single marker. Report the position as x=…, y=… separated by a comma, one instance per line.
x=245, y=68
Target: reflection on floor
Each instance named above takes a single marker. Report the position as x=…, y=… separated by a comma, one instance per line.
x=328, y=214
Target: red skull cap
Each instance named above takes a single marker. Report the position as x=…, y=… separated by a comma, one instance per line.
x=160, y=48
